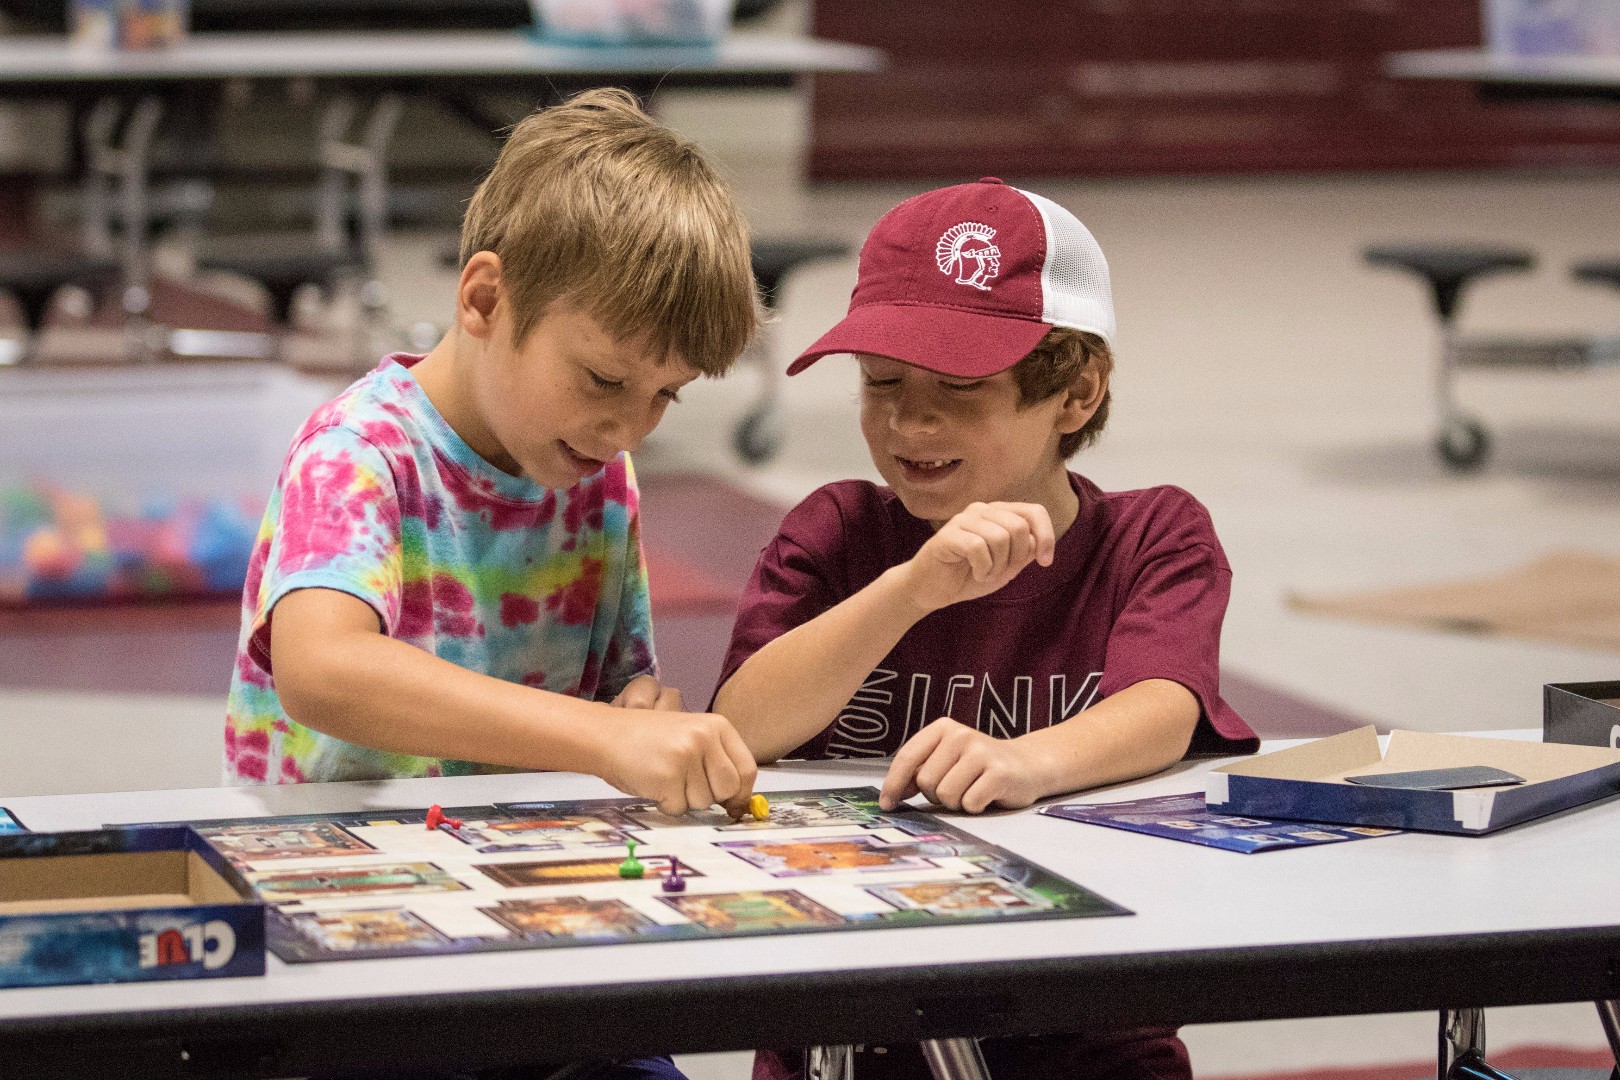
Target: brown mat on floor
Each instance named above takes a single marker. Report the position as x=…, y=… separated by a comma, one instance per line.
x=1567, y=597
x=1560, y=1062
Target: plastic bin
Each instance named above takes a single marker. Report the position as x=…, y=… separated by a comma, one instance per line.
x=632, y=22
x=139, y=482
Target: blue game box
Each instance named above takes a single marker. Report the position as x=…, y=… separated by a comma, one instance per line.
x=123, y=905
x=1307, y=782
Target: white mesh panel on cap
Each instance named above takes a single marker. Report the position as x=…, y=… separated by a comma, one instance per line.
x=1074, y=282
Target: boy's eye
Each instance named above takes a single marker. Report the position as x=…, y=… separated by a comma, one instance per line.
x=601, y=383
x=672, y=396
x=964, y=385
x=881, y=384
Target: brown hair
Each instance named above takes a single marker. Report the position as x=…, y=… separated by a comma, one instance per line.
x=595, y=203
x=1051, y=368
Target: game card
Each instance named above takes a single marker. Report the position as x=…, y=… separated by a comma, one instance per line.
x=310, y=840
x=748, y=912
x=522, y=875
x=539, y=834
x=948, y=898
x=825, y=855
x=8, y=823
x=367, y=930
x=1184, y=817
x=276, y=886
x=569, y=917
x=1464, y=776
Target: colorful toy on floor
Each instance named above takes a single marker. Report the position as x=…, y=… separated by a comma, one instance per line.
x=58, y=545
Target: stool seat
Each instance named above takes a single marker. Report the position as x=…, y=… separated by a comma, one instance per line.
x=774, y=260
x=281, y=273
x=34, y=275
x=1601, y=271
x=1449, y=266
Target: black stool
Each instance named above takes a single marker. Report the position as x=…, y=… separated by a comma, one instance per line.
x=1598, y=271
x=34, y=276
x=758, y=436
x=282, y=274
x=1462, y=442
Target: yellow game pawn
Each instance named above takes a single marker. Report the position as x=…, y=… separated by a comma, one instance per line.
x=758, y=807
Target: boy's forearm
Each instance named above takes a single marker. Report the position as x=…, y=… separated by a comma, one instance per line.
x=794, y=686
x=1140, y=730
x=379, y=692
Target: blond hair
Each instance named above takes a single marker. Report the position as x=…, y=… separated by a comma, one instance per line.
x=1051, y=368
x=595, y=203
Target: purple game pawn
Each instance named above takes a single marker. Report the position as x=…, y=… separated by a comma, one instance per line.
x=673, y=881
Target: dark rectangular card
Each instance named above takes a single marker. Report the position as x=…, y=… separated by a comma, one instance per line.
x=1465, y=776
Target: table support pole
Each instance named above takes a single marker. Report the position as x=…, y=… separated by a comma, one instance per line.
x=1462, y=1047
x=1609, y=1013
x=829, y=1063
x=955, y=1059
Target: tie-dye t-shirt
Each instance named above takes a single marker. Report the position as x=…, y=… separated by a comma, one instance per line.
x=381, y=499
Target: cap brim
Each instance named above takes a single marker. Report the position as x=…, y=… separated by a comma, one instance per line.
x=951, y=341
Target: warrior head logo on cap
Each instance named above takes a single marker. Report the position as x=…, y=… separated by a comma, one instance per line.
x=968, y=251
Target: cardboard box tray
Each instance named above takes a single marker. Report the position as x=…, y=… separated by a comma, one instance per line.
x=123, y=905
x=1308, y=783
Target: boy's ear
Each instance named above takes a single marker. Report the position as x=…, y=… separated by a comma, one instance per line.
x=1083, y=398
x=478, y=294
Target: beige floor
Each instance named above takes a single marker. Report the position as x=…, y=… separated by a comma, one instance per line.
x=1264, y=368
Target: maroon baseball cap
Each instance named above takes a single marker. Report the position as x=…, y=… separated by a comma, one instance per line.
x=966, y=280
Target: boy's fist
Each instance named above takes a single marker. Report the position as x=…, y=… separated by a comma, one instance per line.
x=978, y=551
x=682, y=761
x=962, y=769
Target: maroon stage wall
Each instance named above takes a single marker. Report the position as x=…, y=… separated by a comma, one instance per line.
x=1143, y=87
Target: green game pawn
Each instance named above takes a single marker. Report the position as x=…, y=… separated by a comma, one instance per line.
x=630, y=868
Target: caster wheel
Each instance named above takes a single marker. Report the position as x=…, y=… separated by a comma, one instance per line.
x=757, y=438
x=1463, y=444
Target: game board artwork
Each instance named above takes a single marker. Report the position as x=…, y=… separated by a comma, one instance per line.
x=373, y=930
x=369, y=880
x=306, y=840
x=797, y=858
x=553, y=874
x=564, y=917
x=552, y=833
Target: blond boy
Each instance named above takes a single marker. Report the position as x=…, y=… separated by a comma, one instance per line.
x=449, y=575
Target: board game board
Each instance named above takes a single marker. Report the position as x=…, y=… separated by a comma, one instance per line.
x=544, y=874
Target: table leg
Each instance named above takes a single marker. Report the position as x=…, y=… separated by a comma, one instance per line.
x=829, y=1063
x=955, y=1059
x=1609, y=1013
x=1462, y=1047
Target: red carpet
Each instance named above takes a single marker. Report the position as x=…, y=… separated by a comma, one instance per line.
x=1509, y=1061
x=701, y=535
x=678, y=587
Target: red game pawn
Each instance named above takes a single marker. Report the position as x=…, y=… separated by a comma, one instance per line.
x=435, y=818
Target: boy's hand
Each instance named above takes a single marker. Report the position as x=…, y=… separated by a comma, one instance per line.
x=963, y=769
x=978, y=551
x=682, y=761
x=646, y=692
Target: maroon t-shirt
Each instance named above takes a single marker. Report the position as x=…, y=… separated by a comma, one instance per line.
x=1137, y=590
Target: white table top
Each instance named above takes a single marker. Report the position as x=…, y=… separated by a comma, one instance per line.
x=1480, y=65
x=1555, y=874
x=413, y=54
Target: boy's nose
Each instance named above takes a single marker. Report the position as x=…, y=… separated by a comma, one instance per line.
x=619, y=433
x=913, y=413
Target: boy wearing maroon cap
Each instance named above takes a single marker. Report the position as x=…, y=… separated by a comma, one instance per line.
x=1001, y=626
